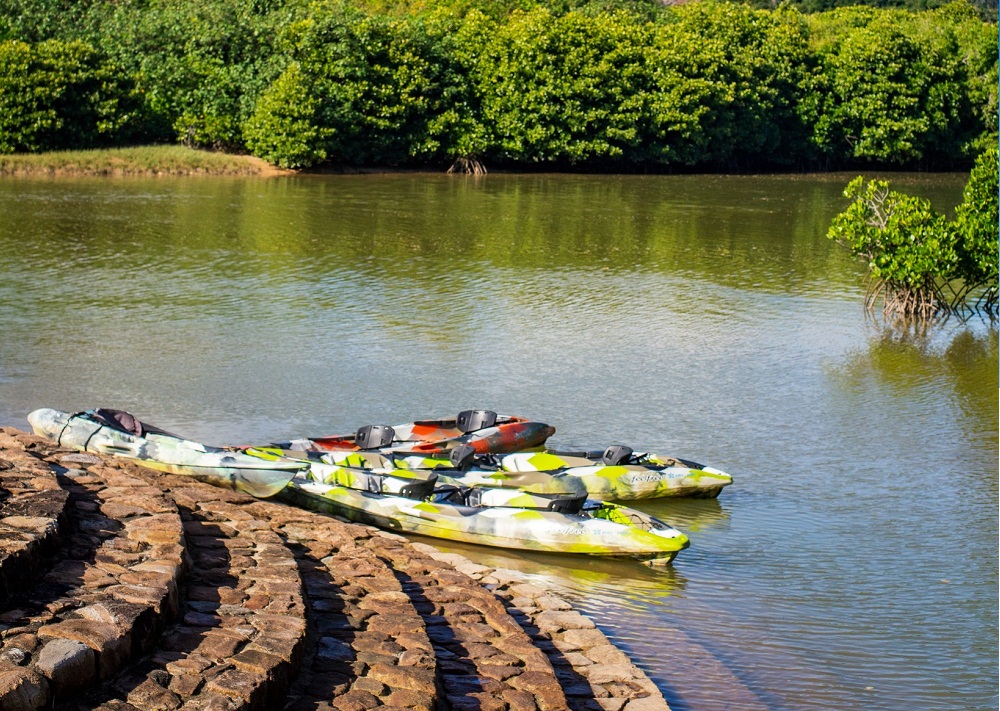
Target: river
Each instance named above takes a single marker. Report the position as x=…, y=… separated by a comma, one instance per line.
x=852, y=565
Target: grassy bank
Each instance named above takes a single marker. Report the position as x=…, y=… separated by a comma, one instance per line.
x=134, y=161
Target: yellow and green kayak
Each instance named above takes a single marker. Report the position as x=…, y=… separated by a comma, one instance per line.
x=420, y=501
x=599, y=529
x=410, y=501
x=616, y=473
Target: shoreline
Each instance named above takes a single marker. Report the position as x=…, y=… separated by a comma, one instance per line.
x=172, y=160
x=175, y=594
x=135, y=162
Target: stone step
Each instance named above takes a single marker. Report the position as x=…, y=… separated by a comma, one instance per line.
x=368, y=645
x=487, y=660
x=242, y=622
x=32, y=511
x=595, y=675
x=109, y=590
x=281, y=608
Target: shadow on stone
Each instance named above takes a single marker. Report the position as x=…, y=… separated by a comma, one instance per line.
x=86, y=529
x=182, y=663
x=459, y=679
x=579, y=693
x=329, y=666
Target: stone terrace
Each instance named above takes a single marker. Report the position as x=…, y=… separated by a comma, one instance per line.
x=122, y=589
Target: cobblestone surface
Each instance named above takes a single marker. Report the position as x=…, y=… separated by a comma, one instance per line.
x=125, y=589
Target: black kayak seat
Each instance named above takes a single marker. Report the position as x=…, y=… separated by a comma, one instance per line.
x=616, y=454
x=419, y=490
x=462, y=457
x=374, y=436
x=472, y=420
x=568, y=503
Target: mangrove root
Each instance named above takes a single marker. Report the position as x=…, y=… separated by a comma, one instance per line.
x=467, y=165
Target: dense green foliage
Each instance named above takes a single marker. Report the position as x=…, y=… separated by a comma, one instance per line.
x=976, y=229
x=618, y=85
x=59, y=95
x=919, y=263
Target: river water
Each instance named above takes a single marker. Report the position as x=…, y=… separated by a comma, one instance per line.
x=851, y=566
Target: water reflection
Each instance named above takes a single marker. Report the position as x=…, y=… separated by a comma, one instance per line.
x=689, y=515
x=904, y=363
x=574, y=574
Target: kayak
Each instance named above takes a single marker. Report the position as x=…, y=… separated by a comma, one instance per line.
x=619, y=473
x=482, y=429
x=115, y=432
x=401, y=500
x=367, y=487
x=616, y=473
x=595, y=528
x=373, y=473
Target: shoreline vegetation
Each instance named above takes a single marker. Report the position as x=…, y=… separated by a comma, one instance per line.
x=625, y=86
x=171, y=160
x=137, y=161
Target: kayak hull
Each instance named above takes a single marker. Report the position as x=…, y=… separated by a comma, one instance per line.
x=167, y=453
x=428, y=437
x=499, y=527
x=545, y=472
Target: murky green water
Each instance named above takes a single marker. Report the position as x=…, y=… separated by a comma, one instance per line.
x=853, y=564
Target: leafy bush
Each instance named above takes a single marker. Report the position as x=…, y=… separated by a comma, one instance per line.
x=726, y=85
x=908, y=247
x=919, y=263
x=376, y=83
x=283, y=127
x=893, y=87
x=976, y=226
x=561, y=88
x=621, y=84
x=59, y=95
x=200, y=65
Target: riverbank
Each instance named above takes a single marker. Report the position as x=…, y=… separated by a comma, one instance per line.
x=170, y=160
x=125, y=589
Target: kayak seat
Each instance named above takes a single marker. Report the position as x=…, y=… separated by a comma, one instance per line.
x=419, y=490
x=472, y=420
x=124, y=422
x=616, y=455
x=451, y=494
x=462, y=457
x=568, y=503
x=374, y=436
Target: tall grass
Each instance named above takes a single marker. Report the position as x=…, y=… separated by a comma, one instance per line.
x=138, y=160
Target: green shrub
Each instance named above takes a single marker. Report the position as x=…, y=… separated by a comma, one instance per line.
x=909, y=249
x=976, y=226
x=919, y=264
x=200, y=65
x=891, y=89
x=59, y=95
x=726, y=85
x=563, y=89
x=377, y=83
x=283, y=128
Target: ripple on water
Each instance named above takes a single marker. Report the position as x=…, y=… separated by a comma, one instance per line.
x=707, y=318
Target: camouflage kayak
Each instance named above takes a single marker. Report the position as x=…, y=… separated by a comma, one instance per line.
x=401, y=500
x=616, y=473
x=483, y=430
x=500, y=518
x=118, y=433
